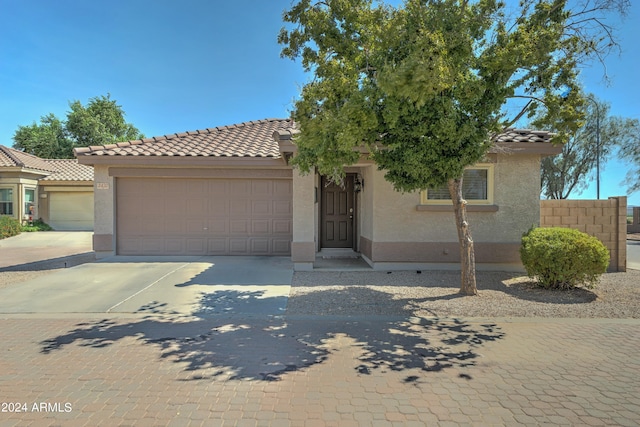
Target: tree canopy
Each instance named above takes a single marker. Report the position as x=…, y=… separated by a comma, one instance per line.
x=100, y=122
x=424, y=85
x=571, y=171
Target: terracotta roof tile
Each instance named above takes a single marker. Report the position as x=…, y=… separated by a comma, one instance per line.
x=249, y=139
x=524, y=135
x=10, y=157
x=69, y=170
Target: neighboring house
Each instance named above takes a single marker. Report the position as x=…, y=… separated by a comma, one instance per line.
x=230, y=191
x=60, y=192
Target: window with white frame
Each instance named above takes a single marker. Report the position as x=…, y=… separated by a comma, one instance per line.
x=6, y=201
x=477, y=188
x=29, y=201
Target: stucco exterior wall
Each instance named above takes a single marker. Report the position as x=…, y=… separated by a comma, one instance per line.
x=401, y=233
x=104, y=208
x=396, y=217
x=303, y=246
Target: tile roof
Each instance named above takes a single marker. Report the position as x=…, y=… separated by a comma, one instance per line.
x=10, y=157
x=249, y=139
x=523, y=135
x=69, y=170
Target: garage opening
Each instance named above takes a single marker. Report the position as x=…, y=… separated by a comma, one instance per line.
x=189, y=216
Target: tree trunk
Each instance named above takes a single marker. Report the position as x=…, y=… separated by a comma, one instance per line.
x=467, y=255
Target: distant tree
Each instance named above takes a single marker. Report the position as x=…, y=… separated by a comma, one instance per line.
x=630, y=153
x=100, y=122
x=48, y=139
x=424, y=85
x=571, y=170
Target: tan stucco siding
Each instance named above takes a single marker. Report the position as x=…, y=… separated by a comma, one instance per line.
x=104, y=208
x=516, y=194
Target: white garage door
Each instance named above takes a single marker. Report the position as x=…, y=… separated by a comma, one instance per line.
x=71, y=210
x=174, y=216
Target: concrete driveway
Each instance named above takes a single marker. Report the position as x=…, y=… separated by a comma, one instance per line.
x=181, y=286
x=29, y=248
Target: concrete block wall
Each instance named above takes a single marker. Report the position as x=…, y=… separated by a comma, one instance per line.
x=634, y=227
x=604, y=219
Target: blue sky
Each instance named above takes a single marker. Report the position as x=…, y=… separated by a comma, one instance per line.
x=185, y=65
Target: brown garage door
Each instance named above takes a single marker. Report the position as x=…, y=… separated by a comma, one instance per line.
x=172, y=216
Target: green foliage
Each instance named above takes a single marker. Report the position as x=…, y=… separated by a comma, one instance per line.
x=49, y=139
x=100, y=122
x=570, y=170
x=9, y=226
x=562, y=258
x=37, y=225
x=424, y=85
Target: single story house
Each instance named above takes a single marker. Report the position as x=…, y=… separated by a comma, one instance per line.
x=230, y=191
x=58, y=191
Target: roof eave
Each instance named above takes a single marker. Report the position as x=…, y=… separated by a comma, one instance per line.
x=542, y=148
x=181, y=161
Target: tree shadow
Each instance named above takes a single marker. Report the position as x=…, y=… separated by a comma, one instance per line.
x=526, y=288
x=267, y=347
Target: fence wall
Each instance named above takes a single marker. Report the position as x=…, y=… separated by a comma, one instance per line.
x=604, y=219
x=634, y=227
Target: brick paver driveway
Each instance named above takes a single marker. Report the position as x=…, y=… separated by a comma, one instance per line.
x=242, y=370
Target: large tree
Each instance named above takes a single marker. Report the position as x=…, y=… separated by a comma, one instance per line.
x=424, y=85
x=571, y=170
x=630, y=152
x=100, y=122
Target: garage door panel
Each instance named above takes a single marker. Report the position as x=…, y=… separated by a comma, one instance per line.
x=196, y=246
x=260, y=246
x=219, y=207
x=175, y=246
x=239, y=207
x=281, y=246
x=240, y=187
x=218, y=187
x=175, y=226
x=282, y=208
x=282, y=226
x=203, y=216
x=261, y=207
x=217, y=246
x=151, y=224
x=195, y=207
x=196, y=226
x=239, y=226
x=260, y=226
x=238, y=246
x=218, y=226
x=153, y=246
x=71, y=210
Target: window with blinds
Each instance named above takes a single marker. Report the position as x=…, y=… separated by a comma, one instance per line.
x=477, y=187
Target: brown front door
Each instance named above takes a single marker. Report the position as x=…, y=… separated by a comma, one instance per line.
x=337, y=214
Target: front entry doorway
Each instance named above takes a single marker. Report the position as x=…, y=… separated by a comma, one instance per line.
x=338, y=214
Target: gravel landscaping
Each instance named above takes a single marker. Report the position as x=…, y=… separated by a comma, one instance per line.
x=435, y=294
x=430, y=293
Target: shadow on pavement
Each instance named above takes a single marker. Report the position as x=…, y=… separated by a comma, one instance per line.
x=268, y=347
x=53, y=263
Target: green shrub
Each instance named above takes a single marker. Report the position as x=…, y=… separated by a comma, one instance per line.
x=562, y=258
x=9, y=227
x=37, y=225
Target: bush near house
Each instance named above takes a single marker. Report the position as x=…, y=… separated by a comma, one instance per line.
x=37, y=225
x=9, y=227
x=563, y=258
